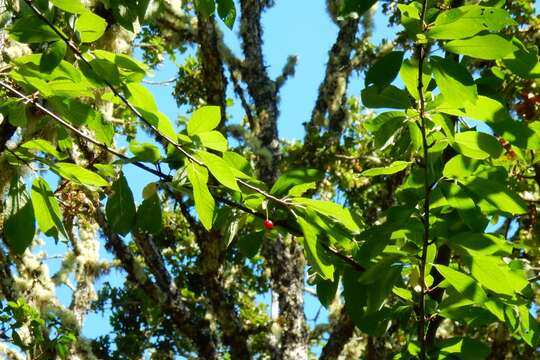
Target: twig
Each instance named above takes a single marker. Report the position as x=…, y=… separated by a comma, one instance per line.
x=134, y=110
x=168, y=178
x=163, y=82
x=427, y=193
x=78, y=132
x=124, y=100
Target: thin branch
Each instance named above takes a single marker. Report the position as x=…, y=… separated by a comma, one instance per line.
x=287, y=71
x=134, y=110
x=162, y=82
x=427, y=193
x=167, y=178
x=124, y=100
x=240, y=93
x=78, y=132
x=188, y=323
x=341, y=333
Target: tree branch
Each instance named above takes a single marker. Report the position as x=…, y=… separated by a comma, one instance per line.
x=210, y=263
x=341, y=333
x=260, y=87
x=333, y=89
x=213, y=75
x=427, y=193
x=163, y=291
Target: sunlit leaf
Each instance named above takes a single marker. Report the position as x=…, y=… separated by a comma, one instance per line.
x=477, y=145
x=314, y=251
x=204, y=119
x=487, y=47
x=90, y=27
x=219, y=169
x=453, y=79
x=204, y=202
x=393, y=168
x=78, y=174
x=466, y=21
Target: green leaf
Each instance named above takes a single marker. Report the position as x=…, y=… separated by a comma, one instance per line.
x=103, y=71
x=90, y=27
x=410, y=18
x=71, y=6
x=493, y=274
x=466, y=21
x=238, y=162
x=149, y=217
x=52, y=56
x=103, y=130
x=106, y=169
x=207, y=7
x=393, y=168
x=130, y=69
x=76, y=112
x=141, y=98
x=300, y=189
x=378, y=292
x=31, y=29
x=144, y=152
x=295, y=177
x=496, y=195
x=464, y=349
x=455, y=82
x=78, y=174
x=227, y=12
x=326, y=291
x=481, y=243
x=19, y=222
x=384, y=70
x=17, y=115
x=359, y=7
x=204, y=119
x=315, y=253
x=204, y=202
x=161, y=122
x=466, y=207
x=376, y=123
x=477, y=145
x=120, y=208
x=487, y=47
x=332, y=210
x=219, y=169
x=43, y=146
x=523, y=62
x=213, y=140
x=122, y=66
x=409, y=75
x=518, y=133
x=250, y=243
x=460, y=167
x=47, y=211
x=390, y=97
x=463, y=283
x=488, y=110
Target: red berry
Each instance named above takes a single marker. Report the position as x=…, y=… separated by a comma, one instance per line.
x=268, y=224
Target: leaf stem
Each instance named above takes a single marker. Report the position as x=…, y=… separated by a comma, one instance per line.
x=421, y=50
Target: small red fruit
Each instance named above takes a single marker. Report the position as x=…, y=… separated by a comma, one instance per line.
x=268, y=224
